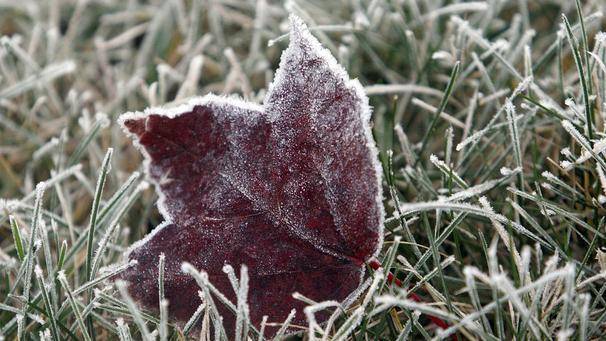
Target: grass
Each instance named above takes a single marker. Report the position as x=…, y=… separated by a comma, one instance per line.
x=489, y=116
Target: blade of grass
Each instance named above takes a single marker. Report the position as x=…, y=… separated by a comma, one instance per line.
x=75, y=309
x=16, y=237
x=50, y=310
x=30, y=257
x=449, y=87
x=574, y=45
x=105, y=166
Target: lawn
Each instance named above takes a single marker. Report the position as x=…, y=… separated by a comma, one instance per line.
x=489, y=118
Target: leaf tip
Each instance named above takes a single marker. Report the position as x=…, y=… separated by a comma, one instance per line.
x=297, y=26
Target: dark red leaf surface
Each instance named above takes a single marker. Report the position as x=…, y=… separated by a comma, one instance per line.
x=291, y=189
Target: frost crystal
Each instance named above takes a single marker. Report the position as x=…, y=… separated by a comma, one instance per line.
x=290, y=189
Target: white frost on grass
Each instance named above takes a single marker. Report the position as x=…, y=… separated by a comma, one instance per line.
x=496, y=37
x=472, y=6
x=475, y=137
x=447, y=171
x=412, y=208
x=46, y=75
x=588, y=151
x=481, y=188
x=385, y=89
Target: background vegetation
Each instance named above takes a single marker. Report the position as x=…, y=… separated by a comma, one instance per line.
x=489, y=116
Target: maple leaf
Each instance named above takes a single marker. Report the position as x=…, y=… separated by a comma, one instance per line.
x=291, y=189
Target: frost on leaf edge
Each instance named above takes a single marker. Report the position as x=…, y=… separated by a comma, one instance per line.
x=172, y=112
x=298, y=32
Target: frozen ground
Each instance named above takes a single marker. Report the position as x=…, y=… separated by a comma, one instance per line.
x=488, y=116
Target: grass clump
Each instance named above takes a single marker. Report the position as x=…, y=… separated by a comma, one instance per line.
x=489, y=115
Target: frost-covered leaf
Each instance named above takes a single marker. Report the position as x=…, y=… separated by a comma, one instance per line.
x=291, y=189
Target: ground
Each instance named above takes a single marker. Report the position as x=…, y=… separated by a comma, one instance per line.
x=488, y=116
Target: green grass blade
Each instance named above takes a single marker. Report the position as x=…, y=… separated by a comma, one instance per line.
x=17, y=238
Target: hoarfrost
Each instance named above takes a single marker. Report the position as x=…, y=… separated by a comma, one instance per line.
x=291, y=189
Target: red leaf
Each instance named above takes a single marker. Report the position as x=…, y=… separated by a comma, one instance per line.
x=291, y=189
